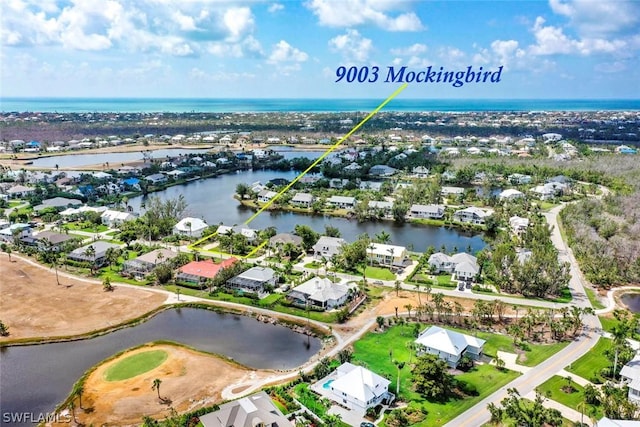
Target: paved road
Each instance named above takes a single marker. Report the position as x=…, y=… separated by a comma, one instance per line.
x=478, y=414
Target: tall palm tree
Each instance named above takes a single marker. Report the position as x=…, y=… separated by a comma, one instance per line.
x=90, y=252
x=397, y=286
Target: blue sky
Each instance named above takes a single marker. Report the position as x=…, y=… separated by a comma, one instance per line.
x=291, y=49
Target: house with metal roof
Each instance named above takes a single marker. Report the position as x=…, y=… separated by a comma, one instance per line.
x=321, y=293
x=630, y=373
x=449, y=345
x=250, y=411
x=327, y=247
x=254, y=280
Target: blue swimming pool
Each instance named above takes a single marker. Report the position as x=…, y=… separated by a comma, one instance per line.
x=327, y=384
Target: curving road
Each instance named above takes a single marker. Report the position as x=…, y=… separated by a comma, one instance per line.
x=478, y=414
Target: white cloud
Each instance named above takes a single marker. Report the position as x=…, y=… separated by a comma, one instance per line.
x=201, y=75
x=611, y=67
x=284, y=52
x=452, y=56
x=415, y=49
x=275, y=7
x=176, y=28
x=599, y=18
x=350, y=13
x=352, y=46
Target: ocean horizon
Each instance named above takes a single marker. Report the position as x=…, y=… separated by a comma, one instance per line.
x=263, y=105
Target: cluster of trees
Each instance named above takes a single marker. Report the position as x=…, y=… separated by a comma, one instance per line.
x=605, y=237
x=158, y=220
x=525, y=413
x=541, y=275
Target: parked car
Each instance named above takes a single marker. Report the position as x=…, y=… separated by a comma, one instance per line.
x=378, y=282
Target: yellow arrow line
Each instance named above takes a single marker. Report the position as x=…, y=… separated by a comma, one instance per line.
x=331, y=149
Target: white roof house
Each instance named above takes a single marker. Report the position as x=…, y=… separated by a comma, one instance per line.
x=321, y=293
x=608, y=422
x=472, y=215
x=250, y=411
x=358, y=388
x=387, y=254
x=343, y=202
x=441, y=262
x=302, y=199
x=190, y=227
x=250, y=233
x=449, y=345
x=630, y=373
x=518, y=224
x=510, y=194
x=427, y=211
x=113, y=218
x=266, y=195
x=327, y=246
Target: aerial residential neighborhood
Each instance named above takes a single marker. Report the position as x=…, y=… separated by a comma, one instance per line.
x=320, y=213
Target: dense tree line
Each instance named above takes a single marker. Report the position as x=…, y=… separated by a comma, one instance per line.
x=605, y=237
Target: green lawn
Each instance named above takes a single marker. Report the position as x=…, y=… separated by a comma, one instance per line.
x=591, y=364
x=134, y=365
x=377, y=351
x=313, y=264
x=90, y=228
x=379, y=273
x=595, y=302
x=553, y=387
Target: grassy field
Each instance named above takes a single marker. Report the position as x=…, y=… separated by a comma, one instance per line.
x=553, y=388
x=90, y=228
x=591, y=364
x=595, y=302
x=377, y=351
x=379, y=273
x=136, y=364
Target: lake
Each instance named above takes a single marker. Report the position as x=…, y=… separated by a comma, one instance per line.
x=38, y=377
x=632, y=301
x=114, y=159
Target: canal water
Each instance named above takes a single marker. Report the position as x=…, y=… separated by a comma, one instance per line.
x=114, y=159
x=212, y=199
x=38, y=377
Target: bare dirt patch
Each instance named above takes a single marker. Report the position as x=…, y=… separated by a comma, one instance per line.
x=189, y=379
x=33, y=305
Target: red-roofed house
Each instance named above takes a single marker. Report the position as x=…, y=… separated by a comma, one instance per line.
x=197, y=272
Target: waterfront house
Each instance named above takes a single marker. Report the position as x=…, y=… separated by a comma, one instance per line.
x=249, y=233
x=382, y=170
x=630, y=374
x=441, y=262
x=197, y=272
x=427, y=211
x=472, y=215
x=141, y=266
x=112, y=218
x=466, y=266
x=254, y=280
x=281, y=239
x=510, y=194
x=99, y=256
x=327, y=247
x=519, y=179
x=357, y=388
x=389, y=255
x=265, y=196
x=156, y=179
x=449, y=345
x=256, y=410
x=384, y=206
x=192, y=227
x=451, y=191
x=342, y=202
x=321, y=293
x=370, y=185
x=338, y=182
x=303, y=200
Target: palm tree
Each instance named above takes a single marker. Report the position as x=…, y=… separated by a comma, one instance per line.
x=90, y=253
x=156, y=386
x=72, y=406
x=383, y=237
x=397, y=286
x=78, y=392
x=7, y=249
x=409, y=307
x=399, y=365
x=417, y=286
